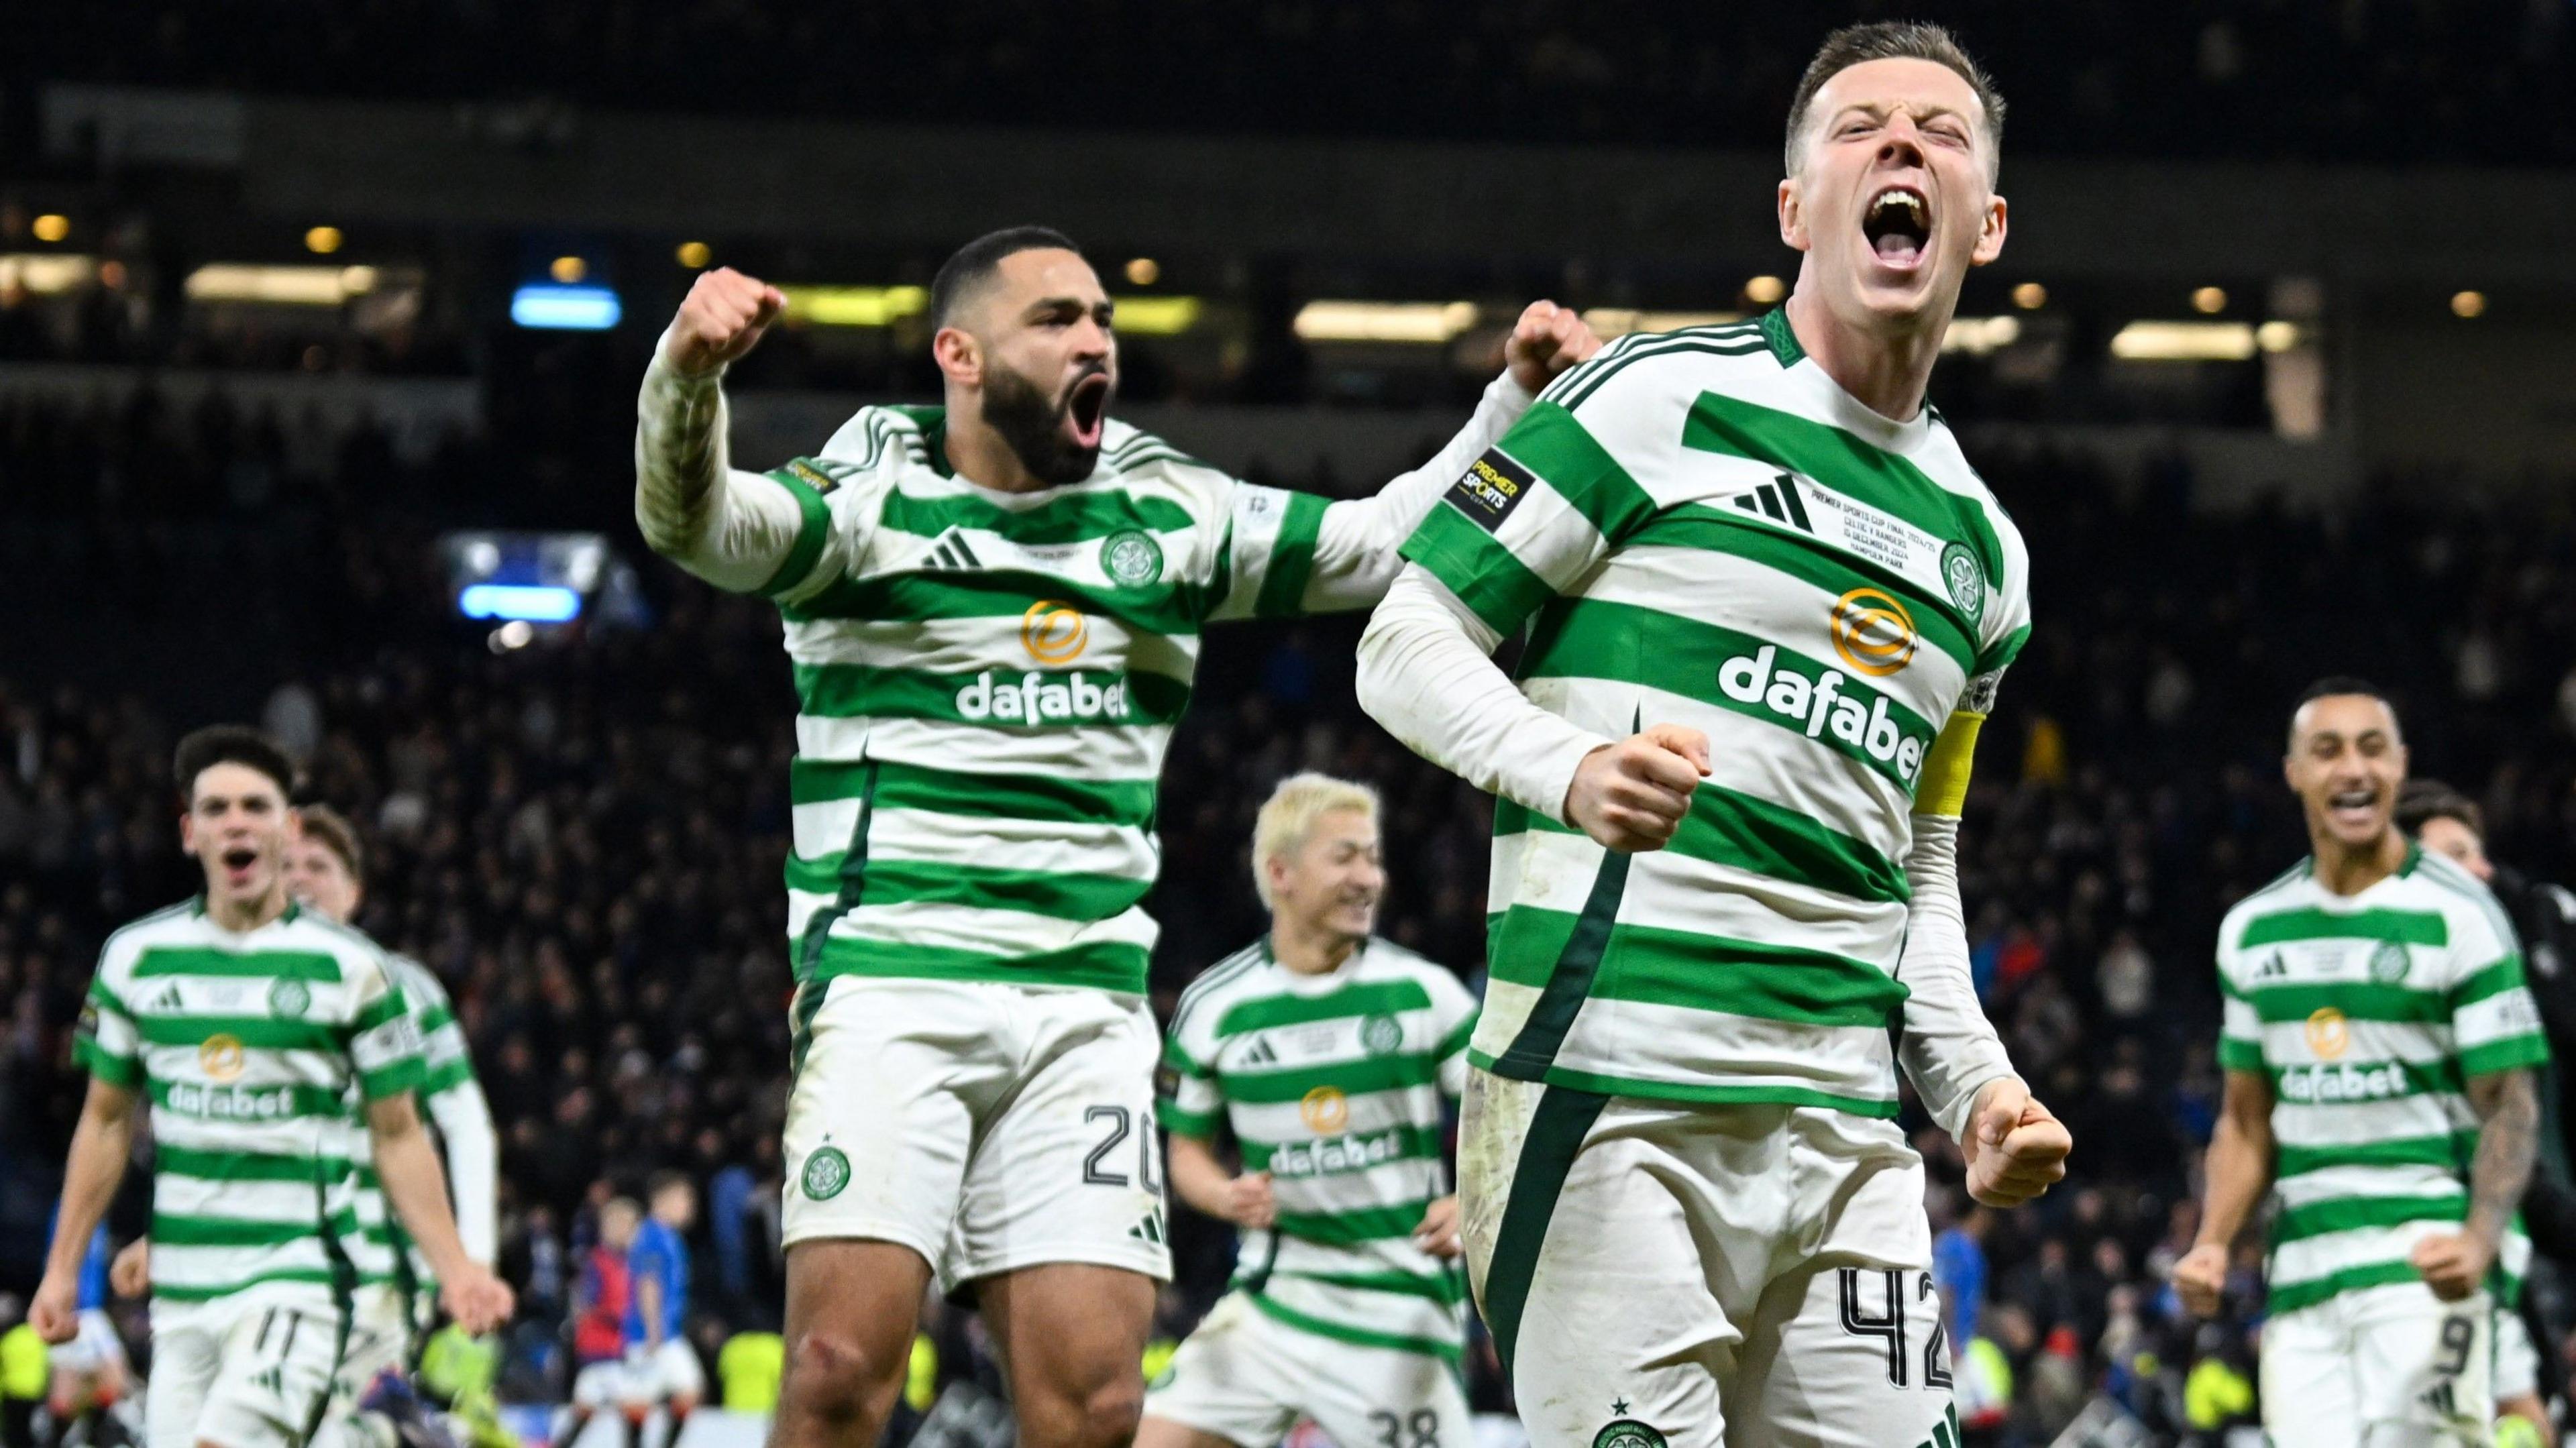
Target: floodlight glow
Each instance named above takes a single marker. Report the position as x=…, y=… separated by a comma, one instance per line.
x=565, y=309
x=530, y=602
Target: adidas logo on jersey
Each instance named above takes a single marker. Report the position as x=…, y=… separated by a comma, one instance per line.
x=1259, y=1053
x=1777, y=501
x=1813, y=705
x=1041, y=697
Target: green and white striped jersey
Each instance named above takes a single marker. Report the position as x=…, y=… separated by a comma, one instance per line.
x=249, y=1048
x=446, y=1065
x=1333, y=1084
x=987, y=681
x=1701, y=528
x=2369, y=1013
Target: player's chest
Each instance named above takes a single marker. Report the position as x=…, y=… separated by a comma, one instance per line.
x=1371, y=1043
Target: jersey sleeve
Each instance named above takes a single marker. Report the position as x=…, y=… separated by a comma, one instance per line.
x=2495, y=1024
x=1535, y=512
x=827, y=536
x=446, y=1063
x=1188, y=1100
x=2240, y=1029
x=2004, y=628
x=1291, y=553
x=1453, y=1014
x=384, y=1046
x=107, y=1044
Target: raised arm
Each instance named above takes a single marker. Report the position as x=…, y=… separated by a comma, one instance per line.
x=1295, y=553
x=734, y=529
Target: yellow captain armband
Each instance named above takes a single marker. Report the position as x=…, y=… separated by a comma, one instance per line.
x=1943, y=789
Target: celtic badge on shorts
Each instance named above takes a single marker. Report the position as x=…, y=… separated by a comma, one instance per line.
x=826, y=1172
x=1131, y=557
x=288, y=998
x=1627, y=1433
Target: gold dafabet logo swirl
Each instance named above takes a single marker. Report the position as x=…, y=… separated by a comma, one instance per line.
x=221, y=1056
x=1054, y=632
x=2329, y=1034
x=1873, y=632
x=1326, y=1110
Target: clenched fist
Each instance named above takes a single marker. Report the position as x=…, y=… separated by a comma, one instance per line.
x=1249, y=1203
x=1631, y=795
x=2016, y=1148
x=2200, y=1277
x=477, y=1300
x=722, y=319
x=1544, y=342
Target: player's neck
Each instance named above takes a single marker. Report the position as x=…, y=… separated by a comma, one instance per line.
x=244, y=916
x=1884, y=371
x=1310, y=950
x=979, y=454
x=2350, y=869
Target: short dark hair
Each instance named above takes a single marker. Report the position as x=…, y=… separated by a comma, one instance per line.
x=229, y=744
x=1894, y=40
x=334, y=832
x=972, y=265
x=662, y=1181
x=2335, y=685
x=2422, y=801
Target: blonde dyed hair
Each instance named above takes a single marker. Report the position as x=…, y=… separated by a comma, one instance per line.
x=1289, y=816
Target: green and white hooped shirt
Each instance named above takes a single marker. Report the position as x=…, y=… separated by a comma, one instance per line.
x=1334, y=1084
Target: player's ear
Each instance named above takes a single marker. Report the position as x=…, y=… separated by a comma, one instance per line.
x=188, y=831
x=959, y=355
x=1793, y=215
x=1990, y=233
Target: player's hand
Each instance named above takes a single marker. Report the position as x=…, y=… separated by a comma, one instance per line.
x=723, y=317
x=2016, y=1148
x=1631, y=795
x=1249, y=1203
x=1438, y=1234
x=130, y=1275
x=477, y=1300
x=2201, y=1278
x=1545, y=341
x=2453, y=1264
x=54, y=1312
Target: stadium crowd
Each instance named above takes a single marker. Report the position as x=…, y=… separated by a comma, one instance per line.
x=2216, y=78
x=583, y=837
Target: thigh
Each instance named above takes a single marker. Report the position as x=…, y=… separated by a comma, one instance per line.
x=1846, y=1357
x=1071, y=1337
x=184, y=1355
x=1067, y=1166
x=2310, y=1396
x=1230, y=1379
x=2424, y=1367
x=273, y=1380
x=1590, y=1273
x=379, y=1331
x=1372, y=1397
x=879, y=1124
x=853, y=1306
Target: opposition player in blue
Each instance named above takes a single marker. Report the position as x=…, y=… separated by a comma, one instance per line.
x=661, y=1368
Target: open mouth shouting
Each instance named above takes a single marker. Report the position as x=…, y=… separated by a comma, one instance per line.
x=238, y=862
x=2355, y=809
x=1086, y=408
x=1897, y=224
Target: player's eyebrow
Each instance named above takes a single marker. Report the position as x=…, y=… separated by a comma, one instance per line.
x=1878, y=110
x=1045, y=307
